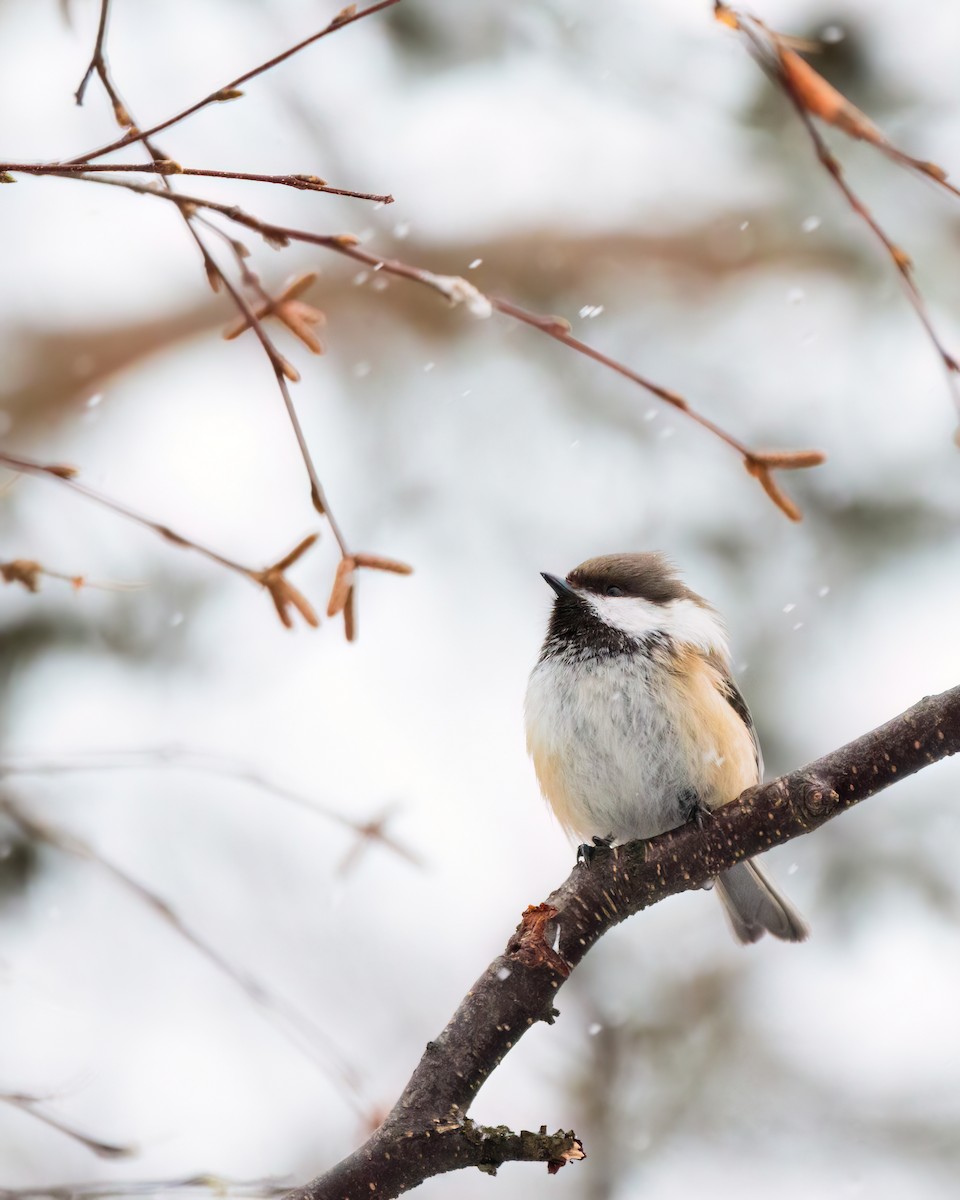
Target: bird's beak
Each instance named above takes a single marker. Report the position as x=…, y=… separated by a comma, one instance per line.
x=560, y=586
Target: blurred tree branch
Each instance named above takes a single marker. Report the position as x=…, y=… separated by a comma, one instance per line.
x=313, y=1042
x=34, y=1107
x=428, y=1131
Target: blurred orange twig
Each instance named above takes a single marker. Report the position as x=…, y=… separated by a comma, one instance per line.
x=813, y=96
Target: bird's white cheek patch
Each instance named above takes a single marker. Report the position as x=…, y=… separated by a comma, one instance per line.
x=629, y=614
x=683, y=620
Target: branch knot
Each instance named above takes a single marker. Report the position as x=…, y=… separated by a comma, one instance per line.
x=817, y=799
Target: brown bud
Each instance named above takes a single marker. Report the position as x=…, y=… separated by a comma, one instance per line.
x=901, y=258
x=342, y=586
x=931, y=169
x=350, y=617
x=725, y=15
x=761, y=472
x=790, y=460
x=23, y=571
x=345, y=14
x=377, y=562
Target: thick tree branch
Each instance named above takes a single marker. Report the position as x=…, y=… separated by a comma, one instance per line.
x=428, y=1131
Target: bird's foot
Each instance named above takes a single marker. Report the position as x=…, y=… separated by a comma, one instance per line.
x=692, y=808
x=587, y=850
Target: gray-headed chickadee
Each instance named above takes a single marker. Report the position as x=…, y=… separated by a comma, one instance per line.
x=634, y=721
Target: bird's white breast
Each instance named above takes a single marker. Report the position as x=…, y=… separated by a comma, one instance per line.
x=622, y=744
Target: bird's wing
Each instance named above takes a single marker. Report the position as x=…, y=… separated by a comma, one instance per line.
x=733, y=696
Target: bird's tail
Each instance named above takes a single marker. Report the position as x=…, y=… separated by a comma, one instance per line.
x=754, y=907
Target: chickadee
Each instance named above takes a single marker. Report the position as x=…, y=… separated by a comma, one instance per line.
x=635, y=724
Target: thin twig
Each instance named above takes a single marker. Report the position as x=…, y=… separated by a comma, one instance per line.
x=303, y=183
x=229, y=91
x=98, y=64
x=28, y=574
x=32, y=1106
x=759, y=463
x=284, y=595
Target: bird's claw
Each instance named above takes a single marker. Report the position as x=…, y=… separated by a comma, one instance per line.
x=587, y=850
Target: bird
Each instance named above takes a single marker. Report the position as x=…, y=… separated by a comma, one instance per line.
x=635, y=724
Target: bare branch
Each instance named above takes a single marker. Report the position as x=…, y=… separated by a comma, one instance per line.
x=272, y=578
x=424, y=1134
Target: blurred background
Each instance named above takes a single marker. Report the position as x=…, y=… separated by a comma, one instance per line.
x=624, y=165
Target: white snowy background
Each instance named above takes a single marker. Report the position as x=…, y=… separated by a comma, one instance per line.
x=627, y=166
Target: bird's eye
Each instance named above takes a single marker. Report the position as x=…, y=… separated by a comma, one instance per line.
x=613, y=590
